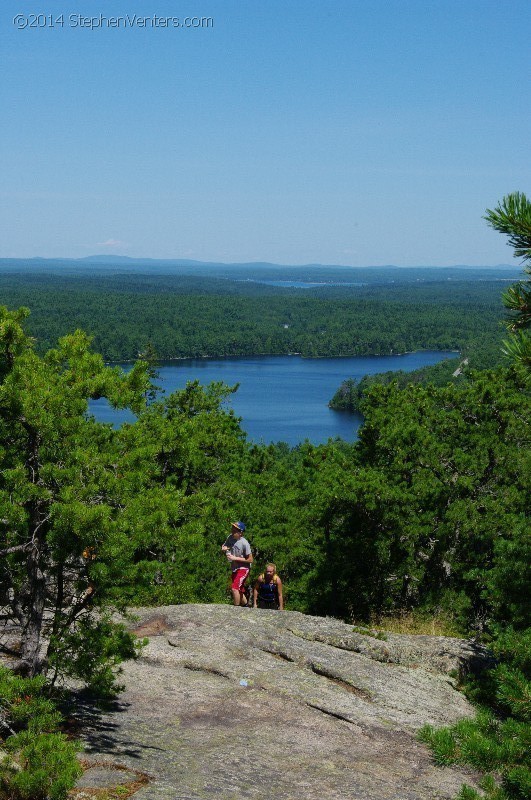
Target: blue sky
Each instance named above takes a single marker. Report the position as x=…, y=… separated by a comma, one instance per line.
x=361, y=133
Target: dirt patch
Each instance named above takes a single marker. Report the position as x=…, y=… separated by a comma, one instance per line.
x=156, y=625
x=103, y=780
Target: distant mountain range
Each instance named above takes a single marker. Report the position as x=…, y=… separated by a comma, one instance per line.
x=117, y=260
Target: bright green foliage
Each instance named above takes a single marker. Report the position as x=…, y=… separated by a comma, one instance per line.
x=433, y=504
x=514, y=647
x=512, y=217
x=92, y=650
x=484, y=742
x=428, y=511
x=49, y=767
x=498, y=740
x=492, y=745
x=23, y=704
x=513, y=691
x=179, y=467
x=40, y=763
x=518, y=348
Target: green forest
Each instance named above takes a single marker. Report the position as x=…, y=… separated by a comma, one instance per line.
x=197, y=316
x=426, y=515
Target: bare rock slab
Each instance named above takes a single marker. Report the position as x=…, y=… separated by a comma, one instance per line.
x=230, y=702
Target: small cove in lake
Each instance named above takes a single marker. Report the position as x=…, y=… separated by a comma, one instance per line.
x=281, y=398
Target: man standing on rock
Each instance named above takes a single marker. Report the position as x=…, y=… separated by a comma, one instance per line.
x=238, y=552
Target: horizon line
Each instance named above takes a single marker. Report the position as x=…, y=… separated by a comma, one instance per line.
x=109, y=259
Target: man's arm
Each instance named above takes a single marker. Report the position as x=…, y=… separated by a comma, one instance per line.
x=247, y=560
x=280, y=595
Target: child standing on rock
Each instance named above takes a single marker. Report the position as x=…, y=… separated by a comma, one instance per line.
x=267, y=592
x=238, y=552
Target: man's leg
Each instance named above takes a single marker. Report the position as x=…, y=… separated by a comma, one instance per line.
x=245, y=594
x=238, y=581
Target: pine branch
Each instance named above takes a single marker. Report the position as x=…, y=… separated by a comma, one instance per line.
x=16, y=549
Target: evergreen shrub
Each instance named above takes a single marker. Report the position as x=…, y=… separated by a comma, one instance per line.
x=39, y=762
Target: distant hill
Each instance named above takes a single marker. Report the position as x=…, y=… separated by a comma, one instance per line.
x=131, y=261
x=319, y=277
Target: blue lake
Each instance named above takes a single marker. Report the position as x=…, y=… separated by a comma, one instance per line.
x=281, y=398
x=301, y=284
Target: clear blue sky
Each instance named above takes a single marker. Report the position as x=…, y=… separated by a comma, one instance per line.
x=346, y=132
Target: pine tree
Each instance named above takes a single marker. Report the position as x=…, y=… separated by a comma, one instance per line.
x=512, y=217
x=56, y=486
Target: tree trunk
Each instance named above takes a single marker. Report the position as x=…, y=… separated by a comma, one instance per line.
x=35, y=602
x=33, y=595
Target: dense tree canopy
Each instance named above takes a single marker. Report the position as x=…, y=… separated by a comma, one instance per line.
x=185, y=317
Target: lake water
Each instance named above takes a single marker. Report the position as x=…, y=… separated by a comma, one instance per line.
x=281, y=398
x=301, y=284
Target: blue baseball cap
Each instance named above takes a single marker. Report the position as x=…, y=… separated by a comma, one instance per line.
x=239, y=525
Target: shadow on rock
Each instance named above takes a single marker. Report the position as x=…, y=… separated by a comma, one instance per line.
x=97, y=724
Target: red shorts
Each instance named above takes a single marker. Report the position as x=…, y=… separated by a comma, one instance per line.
x=239, y=576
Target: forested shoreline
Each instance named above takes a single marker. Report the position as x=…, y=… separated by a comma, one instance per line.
x=198, y=317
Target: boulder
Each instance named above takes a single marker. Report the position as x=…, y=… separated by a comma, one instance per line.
x=232, y=702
